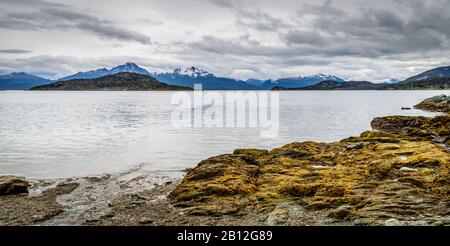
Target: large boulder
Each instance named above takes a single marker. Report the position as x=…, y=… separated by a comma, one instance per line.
x=13, y=185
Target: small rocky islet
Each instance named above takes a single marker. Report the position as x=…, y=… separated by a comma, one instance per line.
x=396, y=174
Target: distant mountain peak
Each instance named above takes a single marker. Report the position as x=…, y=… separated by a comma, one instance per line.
x=193, y=72
x=19, y=73
x=129, y=67
x=321, y=76
x=20, y=81
x=326, y=77
x=440, y=72
x=295, y=82
x=393, y=81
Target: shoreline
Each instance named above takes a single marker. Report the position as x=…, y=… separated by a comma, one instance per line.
x=111, y=200
x=284, y=186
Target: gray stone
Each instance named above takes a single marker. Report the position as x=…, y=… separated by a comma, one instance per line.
x=145, y=221
x=361, y=222
x=38, y=218
x=394, y=222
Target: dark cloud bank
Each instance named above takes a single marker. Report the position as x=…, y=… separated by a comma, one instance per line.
x=354, y=39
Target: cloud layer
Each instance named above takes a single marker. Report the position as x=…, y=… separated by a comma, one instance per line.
x=250, y=38
x=50, y=16
x=14, y=51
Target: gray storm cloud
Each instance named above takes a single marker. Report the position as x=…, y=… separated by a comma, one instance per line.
x=63, y=17
x=14, y=51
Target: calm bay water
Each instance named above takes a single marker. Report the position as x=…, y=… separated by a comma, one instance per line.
x=66, y=134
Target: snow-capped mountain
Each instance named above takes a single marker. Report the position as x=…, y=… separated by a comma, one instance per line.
x=193, y=72
x=21, y=81
x=193, y=75
x=392, y=81
x=325, y=77
x=181, y=77
x=258, y=82
x=127, y=67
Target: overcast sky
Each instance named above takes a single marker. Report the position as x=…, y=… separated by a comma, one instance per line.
x=361, y=40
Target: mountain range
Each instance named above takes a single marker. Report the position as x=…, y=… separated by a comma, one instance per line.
x=437, y=83
x=348, y=85
x=192, y=75
x=187, y=77
x=181, y=77
x=301, y=81
x=125, y=68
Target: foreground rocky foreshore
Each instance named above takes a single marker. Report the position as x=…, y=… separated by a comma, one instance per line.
x=397, y=174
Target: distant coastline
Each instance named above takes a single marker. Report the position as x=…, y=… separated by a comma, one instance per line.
x=424, y=84
x=435, y=79
x=116, y=82
x=140, y=82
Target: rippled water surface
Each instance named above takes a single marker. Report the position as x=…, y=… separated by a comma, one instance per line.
x=65, y=134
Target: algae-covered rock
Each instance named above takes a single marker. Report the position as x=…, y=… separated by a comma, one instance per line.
x=13, y=185
x=439, y=103
x=370, y=179
x=416, y=128
x=396, y=173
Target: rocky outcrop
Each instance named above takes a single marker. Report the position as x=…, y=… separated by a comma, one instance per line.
x=386, y=178
x=439, y=103
x=397, y=176
x=13, y=185
x=436, y=129
x=416, y=128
